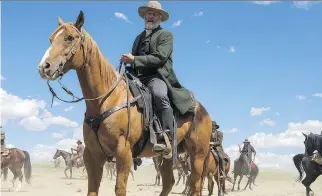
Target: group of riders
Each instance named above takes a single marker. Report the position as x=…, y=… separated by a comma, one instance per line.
x=216, y=146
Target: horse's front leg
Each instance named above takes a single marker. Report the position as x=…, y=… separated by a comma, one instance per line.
x=123, y=166
x=235, y=178
x=94, y=166
x=240, y=179
x=167, y=176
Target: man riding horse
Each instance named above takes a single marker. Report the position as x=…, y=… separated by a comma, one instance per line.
x=216, y=145
x=249, y=150
x=80, y=151
x=151, y=62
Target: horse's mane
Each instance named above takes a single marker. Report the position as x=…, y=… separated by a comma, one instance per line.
x=315, y=141
x=107, y=71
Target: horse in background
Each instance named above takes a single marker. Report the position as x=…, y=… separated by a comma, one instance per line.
x=14, y=159
x=111, y=109
x=241, y=168
x=178, y=166
x=252, y=176
x=309, y=162
x=111, y=169
x=67, y=156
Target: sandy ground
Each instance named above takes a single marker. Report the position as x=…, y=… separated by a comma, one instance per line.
x=50, y=181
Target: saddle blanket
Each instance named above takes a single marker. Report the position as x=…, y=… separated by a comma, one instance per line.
x=317, y=158
x=253, y=165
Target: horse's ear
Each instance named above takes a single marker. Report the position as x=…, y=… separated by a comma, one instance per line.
x=80, y=20
x=304, y=134
x=60, y=21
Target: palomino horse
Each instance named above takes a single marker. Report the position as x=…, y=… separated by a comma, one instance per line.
x=67, y=156
x=106, y=129
x=14, y=159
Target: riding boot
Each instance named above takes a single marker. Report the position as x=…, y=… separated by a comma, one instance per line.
x=166, y=118
x=222, y=168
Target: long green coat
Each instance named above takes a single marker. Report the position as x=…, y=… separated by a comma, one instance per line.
x=161, y=47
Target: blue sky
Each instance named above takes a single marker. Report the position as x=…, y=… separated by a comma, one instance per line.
x=232, y=55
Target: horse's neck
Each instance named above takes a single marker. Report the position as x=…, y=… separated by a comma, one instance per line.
x=65, y=155
x=96, y=79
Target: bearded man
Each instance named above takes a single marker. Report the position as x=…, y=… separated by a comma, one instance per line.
x=151, y=62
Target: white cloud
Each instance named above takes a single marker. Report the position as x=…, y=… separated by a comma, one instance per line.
x=300, y=97
x=208, y=41
x=268, y=122
x=198, y=14
x=10, y=146
x=292, y=137
x=56, y=103
x=233, y=130
x=264, y=2
x=122, y=16
x=176, y=23
x=31, y=113
x=218, y=46
x=68, y=109
x=317, y=95
x=57, y=135
x=304, y=4
x=258, y=111
x=232, y=49
x=2, y=77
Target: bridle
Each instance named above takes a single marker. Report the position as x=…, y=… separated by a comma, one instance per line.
x=70, y=54
x=91, y=120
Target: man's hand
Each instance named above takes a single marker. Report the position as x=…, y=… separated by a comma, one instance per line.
x=127, y=58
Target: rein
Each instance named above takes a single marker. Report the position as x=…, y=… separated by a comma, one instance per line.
x=91, y=121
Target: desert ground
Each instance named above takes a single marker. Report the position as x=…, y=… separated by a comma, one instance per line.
x=50, y=181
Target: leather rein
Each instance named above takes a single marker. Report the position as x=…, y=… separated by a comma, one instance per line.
x=107, y=113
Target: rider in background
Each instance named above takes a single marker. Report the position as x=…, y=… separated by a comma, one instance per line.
x=249, y=150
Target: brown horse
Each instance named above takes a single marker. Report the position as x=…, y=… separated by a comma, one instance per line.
x=15, y=159
x=104, y=92
x=213, y=173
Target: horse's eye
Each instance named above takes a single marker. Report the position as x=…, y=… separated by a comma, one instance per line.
x=70, y=38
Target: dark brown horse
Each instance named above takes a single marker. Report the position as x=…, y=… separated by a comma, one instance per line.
x=105, y=92
x=14, y=159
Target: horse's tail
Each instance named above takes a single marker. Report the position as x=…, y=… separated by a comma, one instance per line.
x=27, y=167
x=297, y=159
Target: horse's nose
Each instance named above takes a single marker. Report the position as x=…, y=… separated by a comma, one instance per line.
x=47, y=65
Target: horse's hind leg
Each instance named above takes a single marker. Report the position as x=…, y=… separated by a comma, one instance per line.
x=167, y=177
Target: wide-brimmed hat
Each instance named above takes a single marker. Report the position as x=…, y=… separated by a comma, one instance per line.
x=154, y=5
x=79, y=142
x=215, y=124
x=246, y=141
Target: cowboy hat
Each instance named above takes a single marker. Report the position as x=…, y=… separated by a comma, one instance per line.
x=215, y=124
x=246, y=141
x=79, y=142
x=154, y=5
